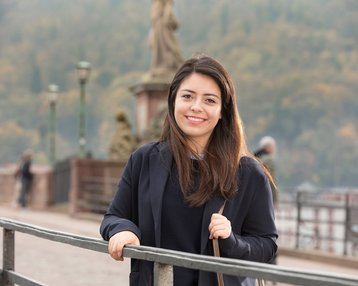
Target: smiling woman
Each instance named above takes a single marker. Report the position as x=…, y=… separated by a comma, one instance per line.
x=198, y=109
x=171, y=191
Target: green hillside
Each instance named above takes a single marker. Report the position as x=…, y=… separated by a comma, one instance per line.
x=294, y=63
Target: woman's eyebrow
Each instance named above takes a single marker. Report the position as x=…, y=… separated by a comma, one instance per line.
x=212, y=94
x=188, y=90
x=205, y=94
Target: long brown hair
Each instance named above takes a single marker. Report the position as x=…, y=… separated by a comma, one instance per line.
x=226, y=145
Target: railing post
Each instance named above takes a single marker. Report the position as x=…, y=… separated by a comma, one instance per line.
x=317, y=238
x=8, y=259
x=347, y=224
x=163, y=274
x=331, y=238
x=298, y=221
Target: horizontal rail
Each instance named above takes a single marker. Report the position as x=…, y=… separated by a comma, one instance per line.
x=313, y=205
x=193, y=261
x=239, y=267
x=321, y=221
x=19, y=279
x=63, y=237
x=99, y=180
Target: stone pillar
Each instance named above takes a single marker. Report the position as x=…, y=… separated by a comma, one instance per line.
x=74, y=191
x=151, y=99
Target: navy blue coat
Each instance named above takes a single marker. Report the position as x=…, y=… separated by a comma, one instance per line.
x=137, y=207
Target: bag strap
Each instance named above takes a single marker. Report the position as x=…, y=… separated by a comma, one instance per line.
x=260, y=282
x=217, y=251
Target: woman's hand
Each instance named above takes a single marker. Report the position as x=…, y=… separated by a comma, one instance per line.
x=118, y=241
x=219, y=227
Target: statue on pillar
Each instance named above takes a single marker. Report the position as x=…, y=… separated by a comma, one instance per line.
x=166, y=56
x=152, y=90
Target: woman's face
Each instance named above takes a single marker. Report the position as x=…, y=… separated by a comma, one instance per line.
x=197, y=109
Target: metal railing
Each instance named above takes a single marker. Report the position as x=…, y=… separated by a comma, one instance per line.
x=320, y=220
x=163, y=259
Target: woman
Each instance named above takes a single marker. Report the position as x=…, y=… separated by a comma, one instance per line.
x=170, y=191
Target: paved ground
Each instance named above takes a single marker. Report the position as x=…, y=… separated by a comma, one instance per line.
x=55, y=263
x=61, y=264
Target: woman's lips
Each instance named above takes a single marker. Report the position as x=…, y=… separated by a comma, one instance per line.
x=195, y=119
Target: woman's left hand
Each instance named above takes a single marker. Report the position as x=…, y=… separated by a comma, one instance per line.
x=219, y=227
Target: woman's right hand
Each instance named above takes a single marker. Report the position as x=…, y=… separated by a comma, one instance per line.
x=118, y=241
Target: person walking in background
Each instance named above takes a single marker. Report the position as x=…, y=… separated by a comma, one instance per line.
x=171, y=191
x=17, y=187
x=267, y=155
x=25, y=175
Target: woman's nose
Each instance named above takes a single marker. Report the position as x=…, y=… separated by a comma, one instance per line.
x=196, y=106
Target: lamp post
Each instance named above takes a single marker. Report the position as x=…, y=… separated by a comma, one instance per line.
x=52, y=96
x=83, y=72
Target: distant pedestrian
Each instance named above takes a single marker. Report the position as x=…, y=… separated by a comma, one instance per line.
x=267, y=155
x=17, y=186
x=25, y=175
x=171, y=191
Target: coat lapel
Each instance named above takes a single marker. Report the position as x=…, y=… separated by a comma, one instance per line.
x=212, y=206
x=159, y=168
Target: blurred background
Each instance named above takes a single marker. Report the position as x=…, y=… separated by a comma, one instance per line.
x=294, y=64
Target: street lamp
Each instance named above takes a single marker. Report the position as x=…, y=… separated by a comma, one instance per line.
x=83, y=72
x=52, y=96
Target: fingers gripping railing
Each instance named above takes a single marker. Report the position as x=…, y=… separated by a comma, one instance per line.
x=163, y=259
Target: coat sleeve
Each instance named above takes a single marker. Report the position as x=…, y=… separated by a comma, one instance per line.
x=122, y=212
x=254, y=232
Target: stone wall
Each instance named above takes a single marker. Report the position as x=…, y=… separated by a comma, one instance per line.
x=93, y=184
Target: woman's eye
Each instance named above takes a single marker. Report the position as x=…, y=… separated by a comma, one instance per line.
x=209, y=100
x=186, y=96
